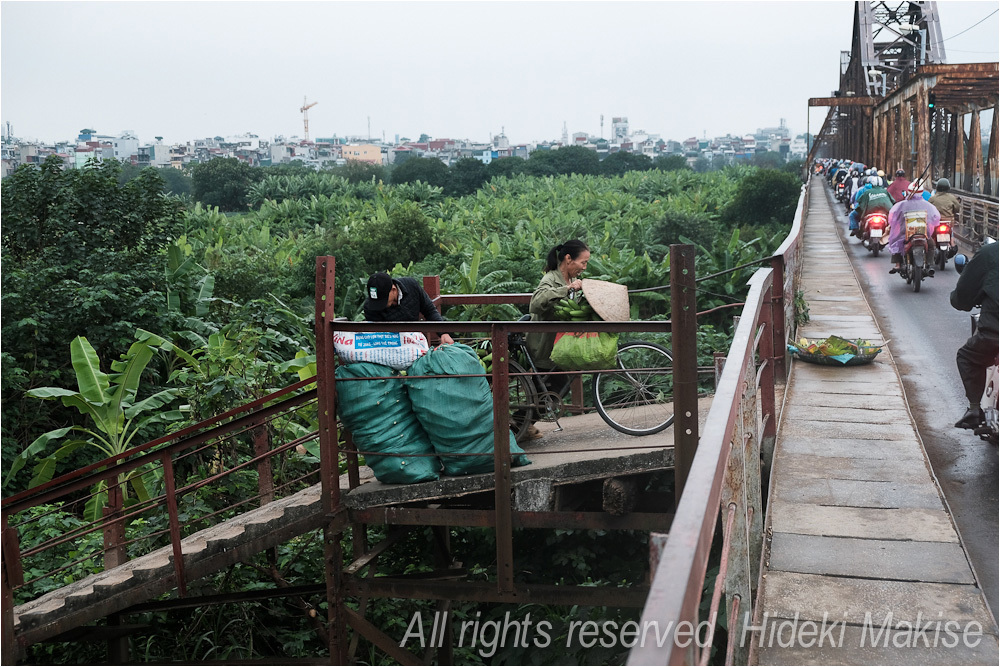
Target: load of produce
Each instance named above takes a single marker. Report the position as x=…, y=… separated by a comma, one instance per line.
x=835, y=348
x=578, y=350
x=381, y=419
x=457, y=412
x=569, y=310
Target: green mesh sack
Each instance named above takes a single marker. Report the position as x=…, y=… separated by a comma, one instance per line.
x=585, y=351
x=457, y=413
x=380, y=417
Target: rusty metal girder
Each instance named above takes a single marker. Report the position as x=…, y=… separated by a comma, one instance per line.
x=843, y=101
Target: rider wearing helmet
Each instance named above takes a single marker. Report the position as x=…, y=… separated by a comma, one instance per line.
x=873, y=198
x=913, y=205
x=977, y=285
x=897, y=189
x=945, y=202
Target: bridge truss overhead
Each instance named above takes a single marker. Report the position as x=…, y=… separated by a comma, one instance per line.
x=900, y=106
x=891, y=39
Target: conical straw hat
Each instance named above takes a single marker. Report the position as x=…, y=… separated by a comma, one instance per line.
x=609, y=300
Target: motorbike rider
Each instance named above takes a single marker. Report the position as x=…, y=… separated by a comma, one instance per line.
x=977, y=285
x=873, y=199
x=945, y=202
x=853, y=214
x=913, y=202
x=897, y=189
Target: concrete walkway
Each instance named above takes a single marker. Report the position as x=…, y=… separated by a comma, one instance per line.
x=864, y=564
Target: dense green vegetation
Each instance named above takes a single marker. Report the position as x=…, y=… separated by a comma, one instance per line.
x=108, y=256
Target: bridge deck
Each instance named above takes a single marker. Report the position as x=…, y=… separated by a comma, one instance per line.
x=586, y=449
x=858, y=526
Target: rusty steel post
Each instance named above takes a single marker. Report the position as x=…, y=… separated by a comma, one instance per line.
x=175, y=524
x=993, y=159
x=776, y=305
x=329, y=458
x=115, y=553
x=684, y=328
x=432, y=285
x=12, y=576
x=261, y=446
x=772, y=346
x=501, y=460
x=974, y=168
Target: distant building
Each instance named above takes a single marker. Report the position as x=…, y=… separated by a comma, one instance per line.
x=125, y=145
x=369, y=153
x=619, y=129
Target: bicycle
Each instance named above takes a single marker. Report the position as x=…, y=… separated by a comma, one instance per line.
x=635, y=399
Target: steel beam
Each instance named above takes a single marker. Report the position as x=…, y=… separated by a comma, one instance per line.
x=684, y=324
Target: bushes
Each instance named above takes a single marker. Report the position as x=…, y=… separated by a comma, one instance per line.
x=764, y=197
x=402, y=235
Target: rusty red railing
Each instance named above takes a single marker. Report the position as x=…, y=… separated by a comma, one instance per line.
x=725, y=479
x=257, y=424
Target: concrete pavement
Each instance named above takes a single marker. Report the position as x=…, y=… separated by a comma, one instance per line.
x=864, y=565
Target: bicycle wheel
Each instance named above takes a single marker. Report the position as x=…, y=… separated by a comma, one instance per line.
x=638, y=399
x=523, y=399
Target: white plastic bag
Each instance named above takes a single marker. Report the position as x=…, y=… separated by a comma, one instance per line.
x=396, y=349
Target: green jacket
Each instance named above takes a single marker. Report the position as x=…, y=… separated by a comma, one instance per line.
x=543, y=309
x=876, y=199
x=977, y=286
x=947, y=204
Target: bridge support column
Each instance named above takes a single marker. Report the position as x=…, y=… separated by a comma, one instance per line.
x=329, y=460
x=683, y=337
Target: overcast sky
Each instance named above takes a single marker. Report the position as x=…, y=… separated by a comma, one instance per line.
x=189, y=70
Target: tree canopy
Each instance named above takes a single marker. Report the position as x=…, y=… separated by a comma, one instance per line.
x=223, y=182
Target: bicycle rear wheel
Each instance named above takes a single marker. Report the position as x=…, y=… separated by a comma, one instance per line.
x=523, y=399
x=638, y=398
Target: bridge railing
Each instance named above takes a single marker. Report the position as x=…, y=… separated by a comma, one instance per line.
x=977, y=217
x=724, y=483
x=213, y=458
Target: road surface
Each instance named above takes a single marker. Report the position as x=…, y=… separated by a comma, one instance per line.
x=924, y=333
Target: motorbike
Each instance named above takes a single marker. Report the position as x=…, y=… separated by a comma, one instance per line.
x=873, y=228
x=915, y=253
x=942, y=240
x=841, y=187
x=990, y=401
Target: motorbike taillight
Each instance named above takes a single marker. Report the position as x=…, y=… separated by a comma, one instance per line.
x=877, y=221
x=943, y=228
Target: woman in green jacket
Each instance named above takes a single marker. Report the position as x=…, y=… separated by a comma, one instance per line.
x=563, y=267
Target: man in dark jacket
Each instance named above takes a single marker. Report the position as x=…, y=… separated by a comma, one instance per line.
x=978, y=286
x=400, y=300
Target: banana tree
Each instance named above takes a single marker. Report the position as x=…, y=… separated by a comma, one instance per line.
x=116, y=416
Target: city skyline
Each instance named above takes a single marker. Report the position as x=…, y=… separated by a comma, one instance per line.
x=186, y=71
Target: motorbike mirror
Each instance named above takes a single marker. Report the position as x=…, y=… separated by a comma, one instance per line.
x=960, y=261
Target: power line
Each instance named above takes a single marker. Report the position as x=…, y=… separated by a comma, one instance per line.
x=970, y=27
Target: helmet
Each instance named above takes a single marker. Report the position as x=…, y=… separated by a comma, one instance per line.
x=880, y=173
x=874, y=180
x=900, y=172
x=944, y=185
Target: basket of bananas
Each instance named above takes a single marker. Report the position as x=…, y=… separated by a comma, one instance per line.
x=836, y=351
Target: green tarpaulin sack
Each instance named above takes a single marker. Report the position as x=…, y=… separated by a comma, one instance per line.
x=585, y=351
x=457, y=413
x=379, y=415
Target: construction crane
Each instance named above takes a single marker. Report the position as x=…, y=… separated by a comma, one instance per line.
x=305, y=114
